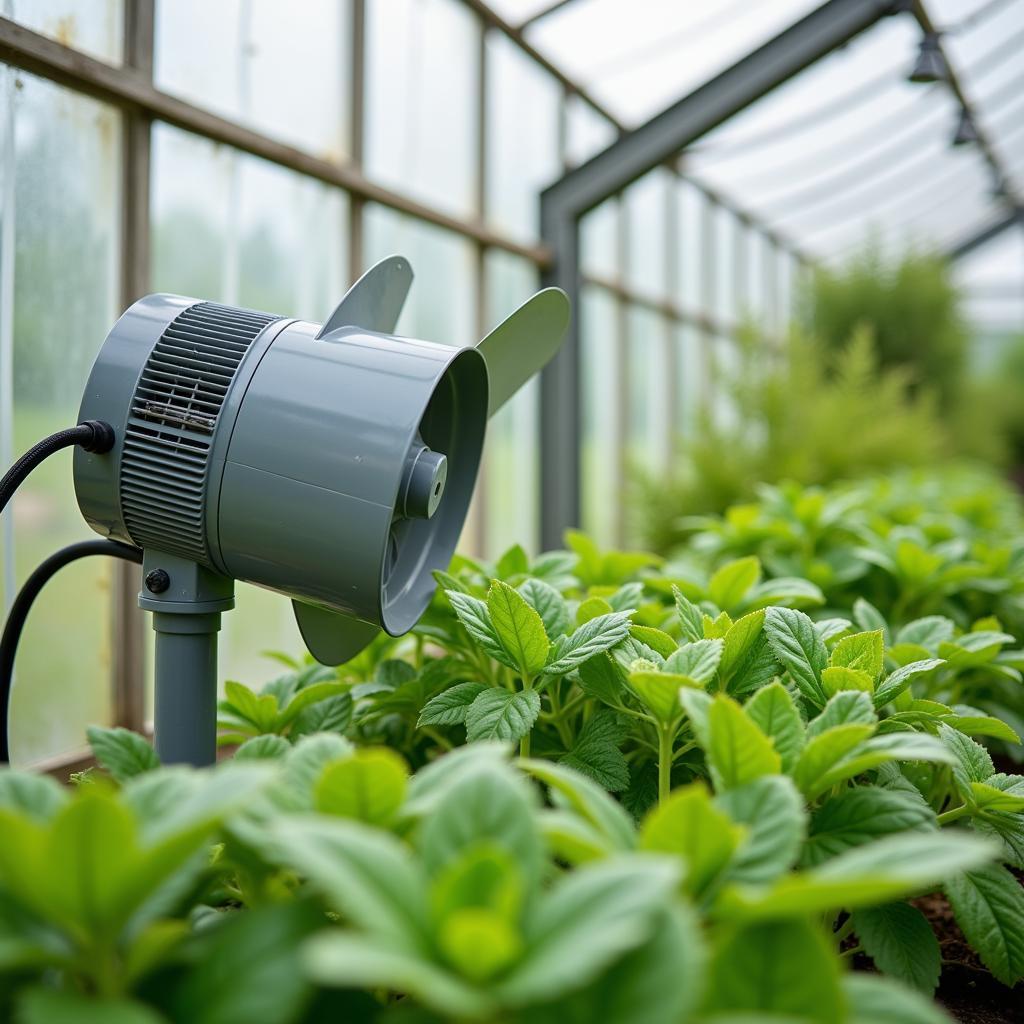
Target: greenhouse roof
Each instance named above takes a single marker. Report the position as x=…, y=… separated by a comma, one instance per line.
x=848, y=148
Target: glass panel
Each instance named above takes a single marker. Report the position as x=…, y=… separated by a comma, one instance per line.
x=522, y=136
x=422, y=99
x=281, y=68
x=650, y=384
x=442, y=302
x=689, y=287
x=96, y=27
x=63, y=229
x=587, y=131
x=511, y=469
x=599, y=240
x=646, y=207
x=235, y=229
x=690, y=376
x=602, y=440
x=725, y=307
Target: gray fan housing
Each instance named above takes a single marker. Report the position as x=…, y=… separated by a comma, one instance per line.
x=332, y=464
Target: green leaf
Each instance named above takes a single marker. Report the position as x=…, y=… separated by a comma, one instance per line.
x=690, y=826
x=861, y=815
x=655, y=638
x=247, y=967
x=37, y=797
x=519, y=628
x=690, y=616
x=901, y=942
x=738, y=752
x=591, y=608
x=698, y=660
x=514, y=562
x=982, y=725
x=548, y=604
x=875, y=999
x=739, y=643
x=591, y=638
x=773, y=813
x=835, y=679
x=365, y=873
x=878, y=872
x=869, y=618
x=773, y=711
x=989, y=907
x=601, y=677
x=368, y=786
x=973, y=763
x=121, y=752
x=474, y=616
x=588, y=920
x=586, y=799
x=658, y=691
x=798, y=646
x=331, y=715
x=846, y=707
x=896, y=682
x=478, y=942
x=450, y=706
x=52, y=1006
x=346, y=959
x=750, y=973
x=824, y=752
x=928, y=632
x=502, y=714
x=729, y=585
x=260, y=712
x=596, y=752
x=861, y=651
x=791, y=591
x=263, y=748
x=492, y=806
x=1009, y=799
x=697, y=705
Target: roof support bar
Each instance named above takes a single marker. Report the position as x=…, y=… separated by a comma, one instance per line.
x=631, y=156
x=986, y=234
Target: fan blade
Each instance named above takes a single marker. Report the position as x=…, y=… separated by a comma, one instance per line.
x=375, y=300
x=523, y=343
x=332, y=638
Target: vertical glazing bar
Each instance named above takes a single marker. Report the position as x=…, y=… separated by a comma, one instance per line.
x=709, y=256
x=623, y=414
x=128, y=646
x=670, y=323
x=357, y=98
x=7, y=214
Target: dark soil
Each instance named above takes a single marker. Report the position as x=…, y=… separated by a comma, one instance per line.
x=966, y=989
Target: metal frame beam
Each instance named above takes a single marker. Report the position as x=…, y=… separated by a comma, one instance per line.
x=654, y=143
x=986, y=234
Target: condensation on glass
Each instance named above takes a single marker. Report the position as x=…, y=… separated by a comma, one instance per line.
x=60, y=265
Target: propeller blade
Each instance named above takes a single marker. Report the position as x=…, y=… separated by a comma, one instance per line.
x=375, y=301
x=332, y=638
x=524, y=343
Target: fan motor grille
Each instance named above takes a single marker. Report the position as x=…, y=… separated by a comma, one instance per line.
x=171, y=424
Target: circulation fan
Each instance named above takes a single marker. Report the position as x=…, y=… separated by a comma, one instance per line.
x=333, y=464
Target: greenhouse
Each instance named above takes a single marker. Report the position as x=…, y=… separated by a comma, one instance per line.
x=512, y=511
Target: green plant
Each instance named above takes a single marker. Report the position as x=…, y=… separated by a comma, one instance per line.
x=323, y=883
x=795, y=412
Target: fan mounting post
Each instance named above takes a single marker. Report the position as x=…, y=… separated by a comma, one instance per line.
x=186, y=600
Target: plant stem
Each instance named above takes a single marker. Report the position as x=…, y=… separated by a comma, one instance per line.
x=957, y=812
x=664, y=763
x=524, y=743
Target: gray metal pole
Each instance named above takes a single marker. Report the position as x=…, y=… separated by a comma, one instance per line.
x=185, y=704
x=186, y=600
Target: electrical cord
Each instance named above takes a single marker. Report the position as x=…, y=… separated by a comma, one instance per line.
x=23, y=603
x=92, y=435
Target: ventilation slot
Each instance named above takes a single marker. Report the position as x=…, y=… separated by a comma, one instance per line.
x=173, y=416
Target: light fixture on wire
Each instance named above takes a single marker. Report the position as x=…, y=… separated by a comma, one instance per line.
x=930, y=65
x=966, y=133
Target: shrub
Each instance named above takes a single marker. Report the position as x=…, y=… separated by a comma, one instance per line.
x=797, y=414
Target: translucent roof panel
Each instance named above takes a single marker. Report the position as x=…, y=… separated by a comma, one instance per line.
x=849, y=149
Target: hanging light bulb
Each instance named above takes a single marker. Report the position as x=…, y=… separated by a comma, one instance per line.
x=966, y=134
x=930, y=65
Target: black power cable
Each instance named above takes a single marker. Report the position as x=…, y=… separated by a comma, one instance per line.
x=92, y=435
x=23, y=603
